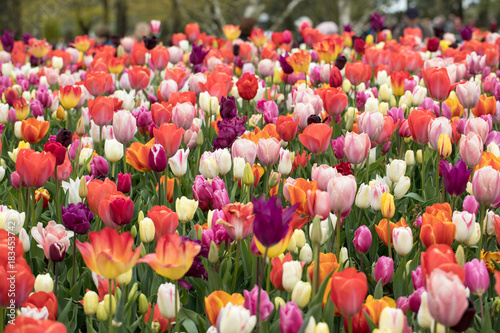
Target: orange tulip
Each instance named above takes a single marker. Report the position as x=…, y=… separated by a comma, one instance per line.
x=98, y=83
x=82, y=43
x=486, y=106
x=170, y=137
x=358, y=72
x=231, y=32
x=300, y=61
x=488, y=258
x=437, y=225
x=138, y=77
x=488, y=159
x=41, y=299
x=375, y=307
x=219, y=299
x=109, y=254
x=327, y=263
x=159, y=58
x=33, y=130
x=456, y=108
x=23, y=324
x=257, y=37
x=170, y=184
x=349, y=290
x=102, y=109
x=173, y=257
x=97, y=191
x=164, y=219
x=334, y=100
x=381, y=229
x=138, y=155
x=22, y=108
x=34, y=168
x=440, y=256
x=329, y=48
x=316, y=137
x=398, y=82
x=192, y=31
x=296, y=192
x=70, y=96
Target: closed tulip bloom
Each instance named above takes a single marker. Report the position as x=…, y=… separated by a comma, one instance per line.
x=113, y=150
x=471, y=148
x=444, y=146
x=469, y=93
x=479, y=126
x=349, y=290
x=316, y=138
x=363, y=196
x=319, y=203
x=371, y=123
x=33, y=130
x=440, y=125
x=223, y=158
x=208, y=165
x=266, y=306
x=387, y=205
x=292, y=273
x=102, y=109
x=419, y=122
x=486, y=185
x=178, y=162
x=358, y=72
x=362, y=239
x=285, y=164
x=146, y=230
x=124, y=126
x=170, y=137
x=290, y=318
x=268, y=151
x=99, y=167
x=246, y=149
x=138, y=77
x=301, y=293
x=392, y=319
x=465, y=223
x=455, y=177
x=116, y=210
x=231, y=314
x=384, y=269
x=185, y=208
x=402, y=187
x=342, y=191
x=356, y=147
x=396, y=169
x=438, y=82
x=157, y=158
x=402, y=240
x=34, y=168
x=477, y=278
x=159, y=58
x=70, y=96
x=183, y=115
x=167, y=300
x=447, y=297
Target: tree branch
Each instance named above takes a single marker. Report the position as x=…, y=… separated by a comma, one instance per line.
x=288, y=10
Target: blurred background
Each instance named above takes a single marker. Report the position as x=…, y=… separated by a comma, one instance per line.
x=59, y=21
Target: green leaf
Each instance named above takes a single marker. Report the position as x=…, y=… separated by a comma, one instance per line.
x=379, y=290
x=414, y=196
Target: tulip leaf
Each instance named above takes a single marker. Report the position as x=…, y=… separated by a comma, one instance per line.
x=195, y=318
x=496, y=264
x=318, y=298
x=398, y=279
x=369, y=320
x=379, y=290
x=414, y=196
x=189, y=326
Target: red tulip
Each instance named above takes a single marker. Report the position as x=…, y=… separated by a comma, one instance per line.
x=316, y=138
x=334, y=100
x=349, y=290
x=419, y=121
x=247, y=85
x=138, y=77
x=438, y=82
x=102, y=109
x=164, y=219
x=98, y=83
x=34, y=168
x=41, y=299
x=170, y=137
x=358, y=72
x=159, y=58
x=116, y=210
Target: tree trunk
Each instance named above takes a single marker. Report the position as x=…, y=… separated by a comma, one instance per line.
x=121, y=18
x=344, y=10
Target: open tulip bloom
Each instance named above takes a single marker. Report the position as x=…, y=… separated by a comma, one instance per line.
x=240, y=184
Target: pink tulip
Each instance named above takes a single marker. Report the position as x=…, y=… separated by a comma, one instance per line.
x=246, y=149
x=286, y=192
x=356, y=147
x=290, y=318
x=468, y=94
x=319, y=204
x=486, y=185
x=384, y=269
x=183, y=115
x=124, y=126
x=478, y=126
x=52, y=233
x=447, y=298
x=190, y=138
x=371, y=123
x=301, y=113
x=155, y=26
x=194, y=82
x=362, y=239
x=268, y=151
x=475, y=63
x=266, y=306
x=477, y=278
x=266, y=68
x=470, y=204
x=342, y=191
x=322, y=175
x=440, y=125
x=166, y=88
x=471, y=149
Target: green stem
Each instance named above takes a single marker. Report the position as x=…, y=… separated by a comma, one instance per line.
x=74, y=261
x=436, y=176
x=176, y=307
x=237, y=266
x=125, y=159
x=389, y=237
x=259, y=279
x=165, y=185
x=58, y=203
x=337, y=231
x=2, y=318
x=481, y=222
x=110, y=314
x=350, y=324
x=423, y=172
x=316, y=268
x=33, y=203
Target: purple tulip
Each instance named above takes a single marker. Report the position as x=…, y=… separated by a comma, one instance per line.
x=77, y=218
x=477, y=278
x=377, y=22
x=338, y=147
x=220, y=199
x=362, y=239
x=493, y=136
x=455, y=177
x=466, y=33
x=266, y=306
x=340, y=61
x=270, y=224
x=15, y=180
x=415, y=299
x=470, y=204
x=228, y=107
x=197, y=55
x=7, y=40
x=384, y=269
x=290, y=318
x=142, y=116
x=57, y=252
x=397, y=114
x=202, y=189
x=99, y=167
x=64, y=136
x=229, y=130
x=284, y=65
x=403, y=304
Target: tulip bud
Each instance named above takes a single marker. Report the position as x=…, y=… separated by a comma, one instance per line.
x=43, y=282
x=344, y=256
x=82, y=189
x=132, y=295
x=213, y=253
x=199, y=140
x=157, y=158
x=316, y=231
x=80, y=127
x=166, y=300
x=278, y=301
x=292, y=272
x=349, y=118
x=396, y=169
x=306, y=254
x=402, y=187
x=424, y=316
x=362, y=239
x=90, y=303
x=248, y=177
x=419, y=156
x=185, y=208
x=113, y=150
x=17, y=130
x=133, y=231
x=274, y=179
x=363, y=196
x=101, y=313
x=346, y=86
x=300, y=238
x=125, y=278
x=387, y=205
x=384, y=92
x=143, y=304
x=301, y=293
x=403, y=240
x=25, y=239
x=464, y=222
x=238, y=167
x=460, y=255
x=57, y=252
x=489, y=223
x=444, y=145
x=384, y=269
x=292, y=245
x=106, y=304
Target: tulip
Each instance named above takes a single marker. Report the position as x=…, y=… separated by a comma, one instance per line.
x=146, y=230
x=178, y=162
x=319, y=203
x=231, y=314
x=223, y=158
x=392, y=319
x=286, y=128
x=217, y=300
x=90, y=302
x=70, y=96
x=292, y=272
x=183, y=115
x=246, y=149
x=478, y=126
x=476, y=277
x=266, y=306
x=471, y=148
x=306, y=254
x=447, y=297
x=438, y=82
x=357, y=72
x=157, y=158
x=387, y=205
x=348, y=291
x=124, y=126
x=363, y=196
x=173, y=257
x=485, y=106
x=362, y=239
x=164, y=219
x=454, y=177
x=384, y=269
x=285, y=164
x=465, y=223
x=469, y=93
x=486, y=185
x=116, y=210
x=290, y=318
x=342, y=191
x=159, y=58
x=419, y=122
x=44, y=282
x=268, y=151
x=185, y=208
x=119, y=256
x=301, y=293
x=356, y=147
x=239, y=220
x=113, y=150
x=316, y=138
x=334, y=101
x=33, y=130
x=208, y=165
x=170, y=137
x=371, y=123
x=167, y=300
x=403, y=240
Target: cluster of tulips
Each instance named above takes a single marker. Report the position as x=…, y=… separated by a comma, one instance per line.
x=222, y=185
